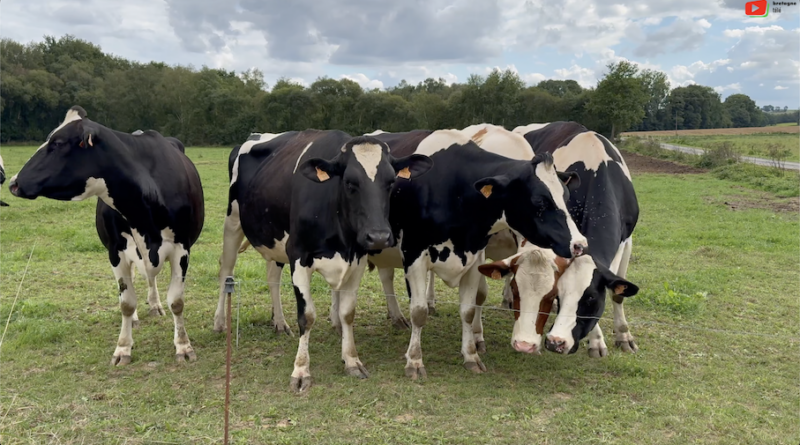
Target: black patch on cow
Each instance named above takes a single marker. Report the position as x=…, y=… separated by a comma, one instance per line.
x=301, y=310
x=184, y=266
x=153, y=256
x=408, y=288
x=138, y=253
x=610, y=151
x=444, y=254
x=122, y=286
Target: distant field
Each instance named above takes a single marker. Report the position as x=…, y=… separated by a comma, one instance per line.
x=717, y=131
x=786, y=124
x=716, y=322
x=759, y=145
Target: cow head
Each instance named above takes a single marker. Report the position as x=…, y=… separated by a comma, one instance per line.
x=534, y=277
x=534, y=196
x=581, y=301
x=65, y=166
x=366, y=173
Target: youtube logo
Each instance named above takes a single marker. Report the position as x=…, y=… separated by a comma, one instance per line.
x=758, y=8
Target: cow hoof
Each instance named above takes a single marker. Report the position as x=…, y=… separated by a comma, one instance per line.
x=401, y=323
x=188, y=355
x=480, y=346
x=120, y=360
x=157, y=311
x=300, y=384
x=598, y=352
x=476, y=367
x=627, y=345
x=432, y=310
x=416, y=373
x=282, y=328
x=357, y=371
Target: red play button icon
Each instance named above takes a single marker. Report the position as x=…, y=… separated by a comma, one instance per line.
x=757, y=8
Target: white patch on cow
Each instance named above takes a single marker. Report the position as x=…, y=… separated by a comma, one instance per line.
x=369, y=156
x=336, y=270
x=500, y=141
x=472, y=129
x=277, y=253
x=548, y=176
x=535, y=277
x=96, y=187
x=374, y=133
x=588, y=149
x=499, y=225
x=440, y=140
x=524, y=129
x=614, y=267
x=451, y=269
x=1, y=163
x=302, y=153
x=71, y=116
x=571, y=286
x=245, y=148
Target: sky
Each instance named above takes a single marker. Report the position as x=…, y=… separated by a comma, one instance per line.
x=379, y=42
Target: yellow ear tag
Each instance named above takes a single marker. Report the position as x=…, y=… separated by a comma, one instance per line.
x=486, y=190
x=404, y=173
x=322, y=175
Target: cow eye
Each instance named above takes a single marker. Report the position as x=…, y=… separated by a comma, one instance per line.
x=351, y=186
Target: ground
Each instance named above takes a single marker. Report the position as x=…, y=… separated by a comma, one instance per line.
x=716, y=322
x=794, y=129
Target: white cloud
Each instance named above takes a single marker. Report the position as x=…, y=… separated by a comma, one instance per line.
x=779, y=87
x=681, y=75
x=364, y=81
x=730, y=69
x=584, y=76
x=731, y=87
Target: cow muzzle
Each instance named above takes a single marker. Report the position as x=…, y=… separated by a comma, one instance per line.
x=556, y=344
x=528, y=348
x=13, y=187
x=378, y=239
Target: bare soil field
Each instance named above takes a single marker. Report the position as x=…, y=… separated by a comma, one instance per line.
x=645, y=164
x=714, y=131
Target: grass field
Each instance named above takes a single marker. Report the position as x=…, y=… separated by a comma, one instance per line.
x=716, y=321
x=787, y=124
x=794, y=129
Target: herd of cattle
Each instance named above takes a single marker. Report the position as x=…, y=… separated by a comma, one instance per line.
x=552, y=205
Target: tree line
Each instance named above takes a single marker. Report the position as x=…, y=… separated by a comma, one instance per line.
x=41, y=80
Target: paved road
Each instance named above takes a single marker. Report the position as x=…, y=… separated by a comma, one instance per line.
x=758, y=161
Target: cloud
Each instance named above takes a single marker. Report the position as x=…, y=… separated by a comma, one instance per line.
x=781, y=87
x=584, y=76
x=768, y=53
x=731, y=87
x=347, y=32
x=682, y=75
x=680, y=35
x=364, y=81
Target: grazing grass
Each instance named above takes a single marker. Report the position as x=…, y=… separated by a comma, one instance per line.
x=716, y=321
x=794, y=129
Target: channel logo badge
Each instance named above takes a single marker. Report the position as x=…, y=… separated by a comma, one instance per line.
x=758, y=8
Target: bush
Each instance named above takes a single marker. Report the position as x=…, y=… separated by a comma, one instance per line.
x=721, y=154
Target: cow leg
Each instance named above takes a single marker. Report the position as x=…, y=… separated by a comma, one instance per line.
x=597, y=344
x=467, y=293
x=231, y=240
x=477, y=321
x=394, y=313
x=179, y=263
x=623, y=337
x=431, y=294
x=274, y=281
x=347, y=314
x=306, y=314
x=333, y=316
x=416, y=275
x=127, y=305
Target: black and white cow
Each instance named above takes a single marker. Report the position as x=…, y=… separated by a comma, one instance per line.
x=243, y=163
x=2, y=180
x=322, y=204
x=444, y=221
x=606, y=209
x=154, y=188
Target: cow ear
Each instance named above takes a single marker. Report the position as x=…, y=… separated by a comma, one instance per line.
x=570, y=179
x=496, y=270
x=619, y=286
x=90, y=134
x=492, y=186
x=412, y=166
x=320, y=170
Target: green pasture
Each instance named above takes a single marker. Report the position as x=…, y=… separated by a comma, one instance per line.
x=716, y=321
x=783, y=146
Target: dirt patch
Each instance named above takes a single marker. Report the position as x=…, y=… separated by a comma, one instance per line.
x=756, y=200
x=645, y=164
